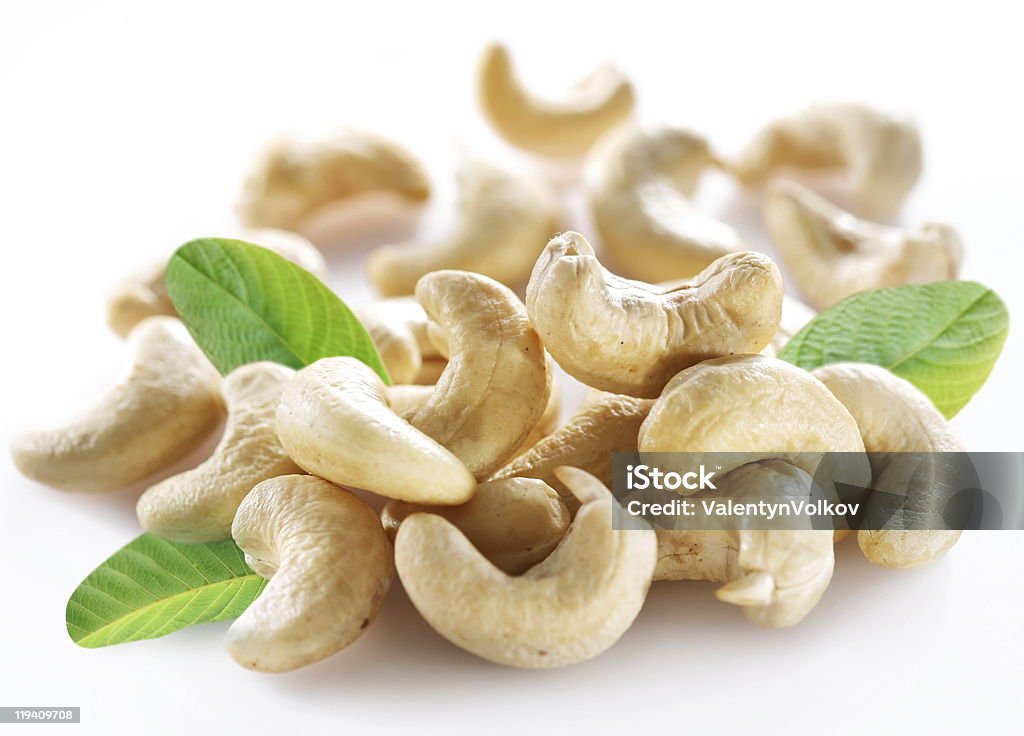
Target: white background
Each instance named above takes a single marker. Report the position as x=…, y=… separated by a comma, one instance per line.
x=124, y=131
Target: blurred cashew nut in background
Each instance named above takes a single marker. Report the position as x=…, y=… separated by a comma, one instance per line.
x=166, y=404
x=561, y=129
x=640, y=188
x=880, y=155
x=832, y=254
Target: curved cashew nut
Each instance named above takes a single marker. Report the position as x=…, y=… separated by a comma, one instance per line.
x=630, y=337
x=777, y=576
x=569, y=608
x=334, y=421
x=329, y=565
x=832, y=254
x=894, y=416
x=743, y=404
x=514, y=523
x=296, y=177
x=143, y=293
x=639, y=196
x=199, y=505
x=399, y=330
x=795, y=314
x=504, y=217
x=559, y=129
x=880, y=154
x=496, y=385
x=607, y=423
x=161, y=409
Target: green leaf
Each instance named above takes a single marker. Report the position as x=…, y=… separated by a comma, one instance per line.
x=152, y=587
x=943, y=337
x=243, y=303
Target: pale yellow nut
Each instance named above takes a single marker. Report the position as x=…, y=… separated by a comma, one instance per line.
x=564, y=128
x=334, y=421
x=398, y=328
x=630, y=337
x=777, y=576
x=164, y=406
x=295, y=177
x=199, y=505
x=895, y=417
x=795, y=316
x=730, y=409
x=831, y=254
x=496, y=384
x=406, y=399
x=879, y=154
x=329, y=565
x=607, y=423
x=514, y=523
x=639, y=189
x=143, y=292
x=569, y=608
x=549, y=419
x=505, y=217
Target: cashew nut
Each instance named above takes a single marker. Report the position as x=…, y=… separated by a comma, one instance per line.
x=639, y=195
x=560, y=129
x=514, y=523
x=162, y=409
x=198, y=505
x=895, y=417
x=777, y=576
x=329, y=565
x=606, y=423
x=296, y=177
x=570, y=607
x=631, y=337
x=496, y=385
x=832, y=254
x=143, y=293
x=334, y=421
x=743, y=404
x=880, y=154
x=504, y=217
x=399, y=331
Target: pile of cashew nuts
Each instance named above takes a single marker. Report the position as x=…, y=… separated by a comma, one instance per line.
x=497, y=517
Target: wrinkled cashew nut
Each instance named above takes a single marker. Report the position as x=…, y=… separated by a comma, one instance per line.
x=334, y=421
x=199, y=505
x=576, y=305
x=505, y=216
x=329, y=565
x=894, y=417
x=742, y=405
x=569, y=608
x=776, y=576
x=880, y=154
x=606, y=423
x=559, y=129
x=163, y=408
x=496, y=384
x=514, y=523
x=640, y=189
x=398, y=328
x=143, y=293
x=294, y=178
x=831, y=254
x=795, y=315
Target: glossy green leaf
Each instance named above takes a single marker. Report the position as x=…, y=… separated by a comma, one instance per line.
x=943, y=337
x=152, y=587
x=243, y=303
